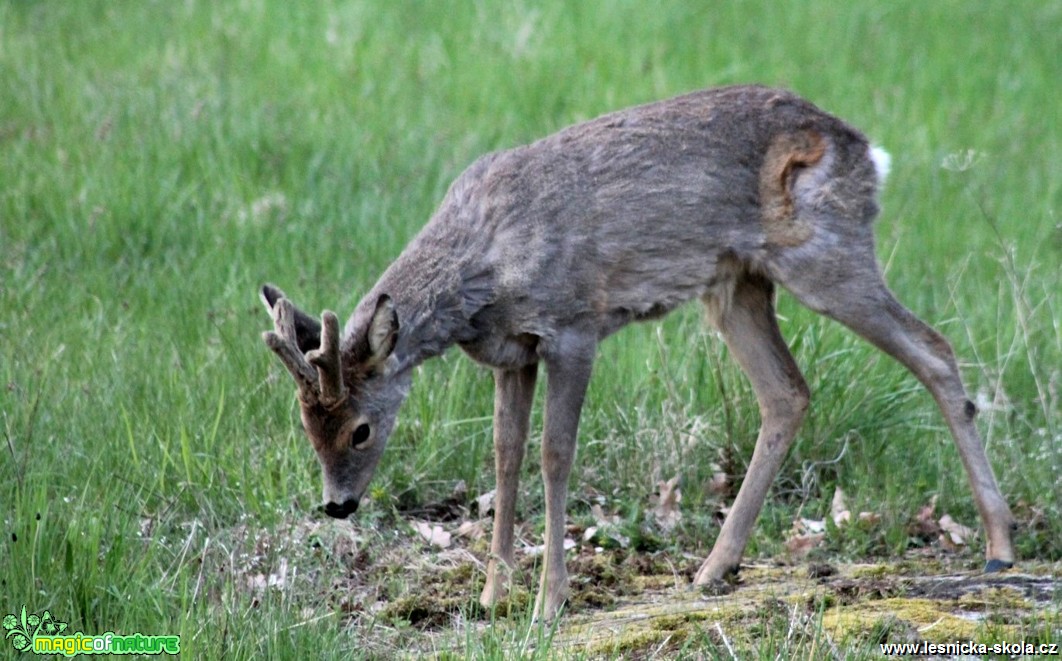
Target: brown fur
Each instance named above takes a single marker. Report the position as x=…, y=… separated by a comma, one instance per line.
x=538, y=253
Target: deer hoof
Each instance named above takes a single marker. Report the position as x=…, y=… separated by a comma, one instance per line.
x=993, y=566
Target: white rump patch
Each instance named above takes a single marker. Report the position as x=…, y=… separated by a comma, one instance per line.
x=882, y=162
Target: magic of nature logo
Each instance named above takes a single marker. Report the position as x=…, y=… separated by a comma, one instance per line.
x=43, y=634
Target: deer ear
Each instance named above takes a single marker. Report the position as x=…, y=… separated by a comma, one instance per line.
x=383, y=330
x=307, y=328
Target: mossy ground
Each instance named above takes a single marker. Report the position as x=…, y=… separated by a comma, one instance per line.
x=642, y=605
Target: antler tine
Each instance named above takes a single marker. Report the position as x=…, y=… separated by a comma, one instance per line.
x=327, y=361
x=283, y=342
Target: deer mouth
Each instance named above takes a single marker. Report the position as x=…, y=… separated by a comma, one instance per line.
x=340, y=510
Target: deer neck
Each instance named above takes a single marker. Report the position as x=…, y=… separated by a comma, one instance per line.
x=436, y=293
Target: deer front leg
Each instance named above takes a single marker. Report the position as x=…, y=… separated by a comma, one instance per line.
x=751, y=332
x=513, y=394
x=567, y=378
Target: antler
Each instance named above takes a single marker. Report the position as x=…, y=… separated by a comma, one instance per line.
x=325, y=384
x=327, y=361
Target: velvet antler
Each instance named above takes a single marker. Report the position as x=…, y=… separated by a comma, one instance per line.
x=322, y=385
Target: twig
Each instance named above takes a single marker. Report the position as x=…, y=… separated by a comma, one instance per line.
x=719, y=628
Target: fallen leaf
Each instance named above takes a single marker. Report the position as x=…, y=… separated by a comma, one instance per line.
x=667, y=512
x=800, y=545
x=606, y=537
x=805, y=535
x=472, y=529
x=813, y=526
x=719, y=484
x=533, y=551
x=485, y=502
x=435, y=535
x=460, y=491
x=953, y=532
x=601, y=518
x=839, y=509
x=275, y=580
x=870, y=518
x=925, y=524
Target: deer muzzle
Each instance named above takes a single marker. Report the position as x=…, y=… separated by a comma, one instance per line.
x=340, y=510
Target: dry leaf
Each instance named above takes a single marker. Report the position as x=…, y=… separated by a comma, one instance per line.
x=870, y=518
x=839, y=509
x=953, y=532
x=533, y=551
x=435, y=535
x=720, y=482
x=472, y=529
x=801, y=545
x=925, y=524
x=805, y=535
x=485, y=502
x=667, y=512
x=601, y=518
x=276, y=579
x=812, y=526
x=460, y=492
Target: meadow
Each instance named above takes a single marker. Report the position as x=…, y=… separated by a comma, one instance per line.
x=159, y=161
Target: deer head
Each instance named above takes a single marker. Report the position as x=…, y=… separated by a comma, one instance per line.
x=348, y=400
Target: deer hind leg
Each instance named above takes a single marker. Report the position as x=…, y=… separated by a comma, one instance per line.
x=855, y=294
x=514, y=392
x=750, y=330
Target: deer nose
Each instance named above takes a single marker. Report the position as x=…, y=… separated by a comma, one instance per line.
x=341, y=511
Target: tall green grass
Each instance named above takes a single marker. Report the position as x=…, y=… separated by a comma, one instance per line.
x=160, y=160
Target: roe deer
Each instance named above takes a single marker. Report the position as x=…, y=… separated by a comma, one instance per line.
x=538, y=253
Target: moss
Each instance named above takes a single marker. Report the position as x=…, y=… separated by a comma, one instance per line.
x=994, y=599
x=629, y=643
x=656, y=582
x=422, y=611
x=929, y=618
x=875, y=571
x=673, y=622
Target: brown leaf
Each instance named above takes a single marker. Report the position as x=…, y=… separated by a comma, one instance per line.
x=277, y=579
x=719, y=484
x=472, y=529
x=925, y=524
x=667, y=512
x=601, y=518
x=953, y=533
x=485, y=502
x=839, y=509
x=435, y=535
x=805, y=535
x=800, y=545
x=869, y=519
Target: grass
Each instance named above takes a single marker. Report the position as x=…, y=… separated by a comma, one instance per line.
x=161, y=160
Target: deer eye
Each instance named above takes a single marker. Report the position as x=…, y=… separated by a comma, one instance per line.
x=358, y=440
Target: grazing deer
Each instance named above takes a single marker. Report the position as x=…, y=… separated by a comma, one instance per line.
x=538, y=253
